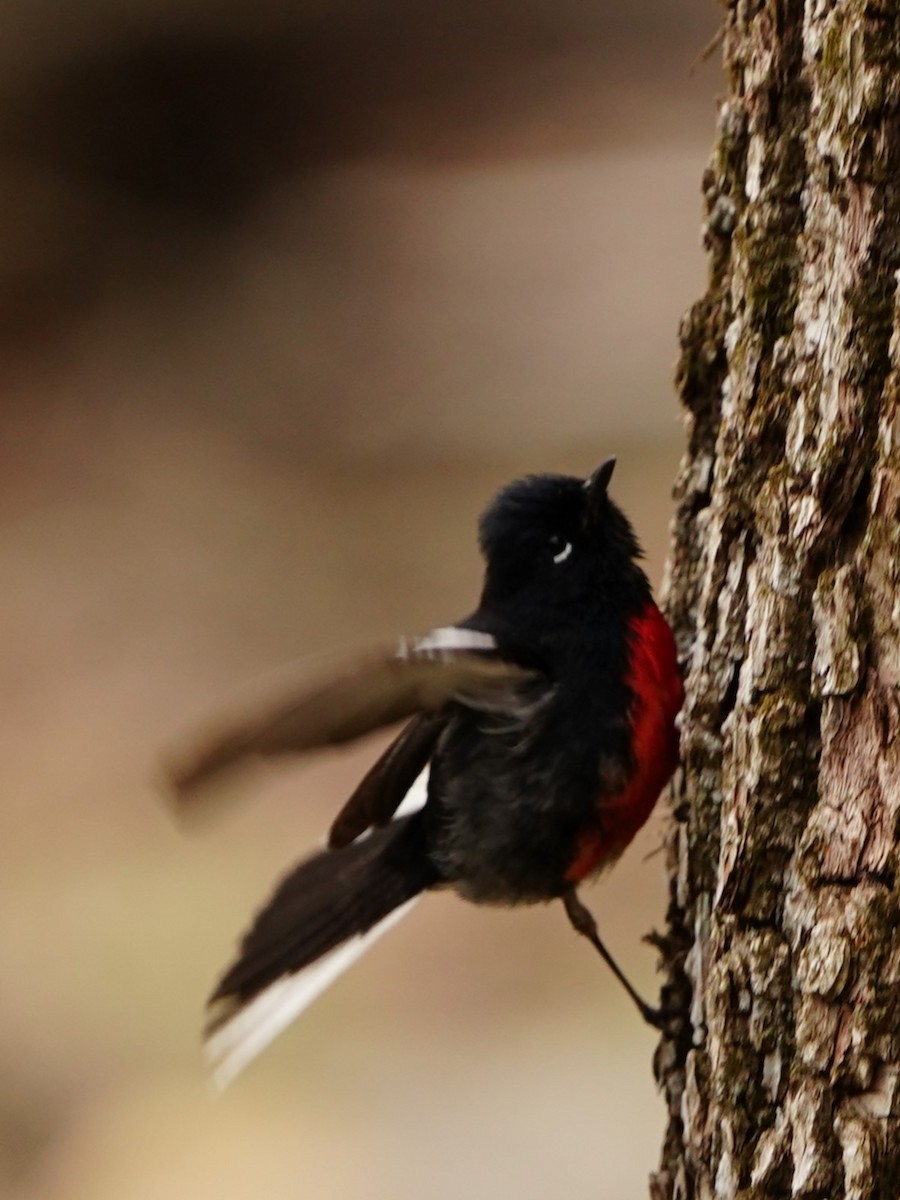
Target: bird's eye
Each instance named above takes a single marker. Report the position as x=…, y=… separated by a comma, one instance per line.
x=560, y=548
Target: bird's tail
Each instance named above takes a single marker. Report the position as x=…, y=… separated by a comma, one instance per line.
x=322, y=917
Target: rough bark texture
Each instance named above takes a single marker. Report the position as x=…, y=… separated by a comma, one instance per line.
x=785, y=590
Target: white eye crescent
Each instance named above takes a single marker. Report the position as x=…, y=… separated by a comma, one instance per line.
x=563, y=554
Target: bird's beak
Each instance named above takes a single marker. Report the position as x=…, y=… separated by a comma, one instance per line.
x=596, y=485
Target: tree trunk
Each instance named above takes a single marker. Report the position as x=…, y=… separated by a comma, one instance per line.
x=784, y=937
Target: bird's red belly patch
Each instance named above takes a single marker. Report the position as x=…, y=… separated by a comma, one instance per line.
x=657, y=695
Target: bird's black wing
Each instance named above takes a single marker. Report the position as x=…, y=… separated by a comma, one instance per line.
x=383, y=788
x=416, y=676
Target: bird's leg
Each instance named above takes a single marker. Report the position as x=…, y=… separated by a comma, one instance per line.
x=584, y=923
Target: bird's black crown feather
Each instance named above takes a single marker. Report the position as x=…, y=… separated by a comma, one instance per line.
x=560, y=537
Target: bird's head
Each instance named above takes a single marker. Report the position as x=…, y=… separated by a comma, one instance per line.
x=556, y=548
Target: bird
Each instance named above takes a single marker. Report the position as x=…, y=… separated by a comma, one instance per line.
x=544, y=727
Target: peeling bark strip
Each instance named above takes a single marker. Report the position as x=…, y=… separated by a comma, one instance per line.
x=784, y=933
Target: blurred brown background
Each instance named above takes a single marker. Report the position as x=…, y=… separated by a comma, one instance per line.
x=286, y=292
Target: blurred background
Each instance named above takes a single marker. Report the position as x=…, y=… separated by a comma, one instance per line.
x=286, y=293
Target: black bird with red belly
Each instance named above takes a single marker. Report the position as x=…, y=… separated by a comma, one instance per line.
x=546, y=719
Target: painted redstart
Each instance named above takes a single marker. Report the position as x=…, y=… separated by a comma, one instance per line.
x=547, y=719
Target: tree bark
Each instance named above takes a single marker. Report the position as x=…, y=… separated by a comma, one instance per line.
x=784, y=920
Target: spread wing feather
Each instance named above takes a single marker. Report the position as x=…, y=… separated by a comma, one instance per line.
x=417, y=676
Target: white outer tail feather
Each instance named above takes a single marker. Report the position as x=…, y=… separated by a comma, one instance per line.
x=235, y=1044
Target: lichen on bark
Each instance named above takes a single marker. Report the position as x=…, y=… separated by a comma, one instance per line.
x=784, y=590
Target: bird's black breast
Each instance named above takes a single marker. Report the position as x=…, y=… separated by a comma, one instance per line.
x=509, y=796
